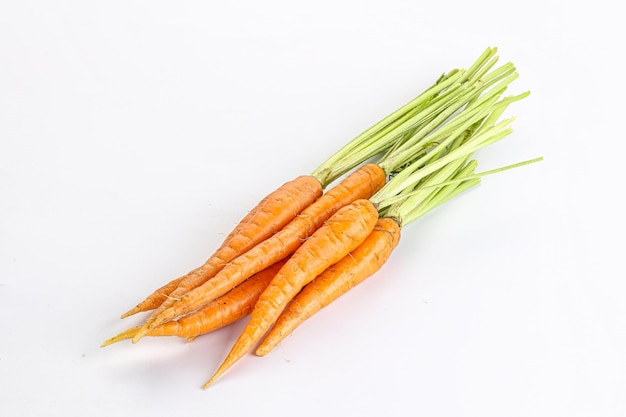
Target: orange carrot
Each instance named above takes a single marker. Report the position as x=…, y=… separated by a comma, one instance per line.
x=269, y=216
x=225, y=310
x=335, y=281
x=341, y=234
x=361, y=184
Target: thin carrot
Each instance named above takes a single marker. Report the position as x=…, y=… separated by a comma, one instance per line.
x=270, y=215
x=361, y=184
x=338, y=279
x=225, y=310
x=341, y=234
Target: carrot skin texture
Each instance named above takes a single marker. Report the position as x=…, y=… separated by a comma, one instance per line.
x=361, y=184
x=225, y=310
x=335, y=281
x=269, y=216
x=340, y=235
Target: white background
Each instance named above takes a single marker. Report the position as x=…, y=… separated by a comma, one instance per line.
x=135, y=134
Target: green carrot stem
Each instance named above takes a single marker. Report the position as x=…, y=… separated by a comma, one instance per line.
x=398, y=126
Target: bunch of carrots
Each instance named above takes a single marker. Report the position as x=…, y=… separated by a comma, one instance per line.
x=306, y=244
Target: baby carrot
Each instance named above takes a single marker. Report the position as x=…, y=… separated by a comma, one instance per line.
x=341, y=234
x=227, y=309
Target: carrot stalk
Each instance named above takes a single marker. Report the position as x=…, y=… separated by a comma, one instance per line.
x=225, y=310
x=341, y=234
x=351, y=270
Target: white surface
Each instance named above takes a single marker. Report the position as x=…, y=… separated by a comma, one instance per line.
x=134, y=135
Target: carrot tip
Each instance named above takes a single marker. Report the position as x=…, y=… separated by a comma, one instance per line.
x=210, y=381
x=132, y=312
x=262, y=351
x=111, y=341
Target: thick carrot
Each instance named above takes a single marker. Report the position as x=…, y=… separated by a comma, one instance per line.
x=269, y=216
x=361, y=184
x=335, y=281
x=341, y=234
x=225, y=310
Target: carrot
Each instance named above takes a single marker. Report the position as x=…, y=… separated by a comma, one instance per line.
x=225, y=310
x=341, y=234
x=429, y=115
x=378, y=138
x=335, y=281
x=408, y=197
x=361, y=184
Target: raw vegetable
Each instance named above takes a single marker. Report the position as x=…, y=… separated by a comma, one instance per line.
x=402, y=199
x=302, y=248
x=432, y=117
x=259, y=223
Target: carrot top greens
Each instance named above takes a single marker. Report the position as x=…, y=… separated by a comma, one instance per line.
x=402, y=128
x=447, y=168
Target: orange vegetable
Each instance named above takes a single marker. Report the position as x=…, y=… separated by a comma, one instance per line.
x=335, y=281
x=341, y=234
x=361, y=184
x=221, y=312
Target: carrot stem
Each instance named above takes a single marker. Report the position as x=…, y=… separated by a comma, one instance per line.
x=415, y=115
